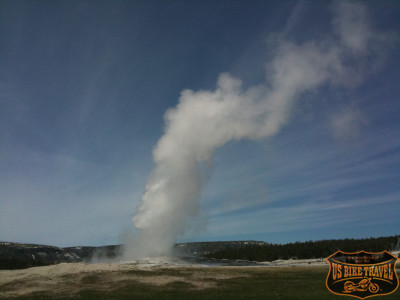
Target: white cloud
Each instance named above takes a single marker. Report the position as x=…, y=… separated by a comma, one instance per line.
x=348, y=123
x=352, y=25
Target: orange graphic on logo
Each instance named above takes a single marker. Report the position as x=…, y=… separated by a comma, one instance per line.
x=362, y=286
x=362, y=274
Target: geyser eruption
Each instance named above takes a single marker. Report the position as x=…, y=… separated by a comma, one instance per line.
x=205, y=120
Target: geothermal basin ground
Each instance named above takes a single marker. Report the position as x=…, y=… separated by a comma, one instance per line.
x=171, y=278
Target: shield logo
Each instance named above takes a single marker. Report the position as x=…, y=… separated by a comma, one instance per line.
x=362, y=274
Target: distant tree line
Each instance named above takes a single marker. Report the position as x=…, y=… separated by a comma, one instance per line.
x=308, y=249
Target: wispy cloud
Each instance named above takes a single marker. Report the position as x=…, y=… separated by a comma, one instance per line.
x=283, y=173
x=348, y=123
x=305, y=216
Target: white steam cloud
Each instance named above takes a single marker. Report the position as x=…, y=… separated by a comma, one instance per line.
x=205, y=120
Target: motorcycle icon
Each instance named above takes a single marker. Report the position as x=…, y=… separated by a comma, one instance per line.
x=364, y=285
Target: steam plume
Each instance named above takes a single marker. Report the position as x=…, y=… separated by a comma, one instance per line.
x=205, y=120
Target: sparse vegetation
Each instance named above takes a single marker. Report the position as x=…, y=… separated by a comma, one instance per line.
x=230, y=283
x=90, y=279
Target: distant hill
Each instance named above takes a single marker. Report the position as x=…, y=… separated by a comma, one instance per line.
x=20, y=256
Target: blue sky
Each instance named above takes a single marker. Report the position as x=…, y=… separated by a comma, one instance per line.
x=83, y=91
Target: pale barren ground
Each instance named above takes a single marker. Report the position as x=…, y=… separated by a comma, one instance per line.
x=70, y=278
x=155, y=278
